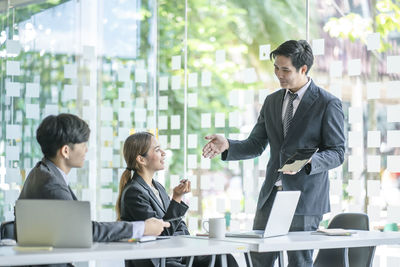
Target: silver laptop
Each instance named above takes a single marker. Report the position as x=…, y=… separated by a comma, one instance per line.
x=56, y=223
x=279, y=220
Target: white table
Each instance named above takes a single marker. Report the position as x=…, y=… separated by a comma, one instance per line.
x=306, y=240
x=174, y=247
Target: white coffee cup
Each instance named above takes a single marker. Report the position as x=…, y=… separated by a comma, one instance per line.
x=215, y=227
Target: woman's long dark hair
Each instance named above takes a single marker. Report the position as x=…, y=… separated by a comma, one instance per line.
x=135, y=145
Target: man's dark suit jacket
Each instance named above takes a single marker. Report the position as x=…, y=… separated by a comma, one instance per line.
x=138, y=202
x=317, y=123
x=46, y=182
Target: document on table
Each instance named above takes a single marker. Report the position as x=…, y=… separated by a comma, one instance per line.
x=146, y=238
x=334, y=232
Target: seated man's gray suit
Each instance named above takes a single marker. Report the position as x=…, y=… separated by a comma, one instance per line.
x=46, y=182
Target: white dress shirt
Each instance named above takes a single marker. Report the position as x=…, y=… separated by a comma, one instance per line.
x=155, y=191
x=64, y=175
x=300, y=93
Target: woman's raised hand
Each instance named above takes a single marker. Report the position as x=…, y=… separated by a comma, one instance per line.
x=181, y=189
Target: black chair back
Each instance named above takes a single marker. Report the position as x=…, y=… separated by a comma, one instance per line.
x=7, y=230
x=356, y=221
x=357, y=257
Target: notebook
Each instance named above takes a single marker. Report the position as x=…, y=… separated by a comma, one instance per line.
x=280, y=218
x=298, y=160
x=55, y=223
x=334, y=232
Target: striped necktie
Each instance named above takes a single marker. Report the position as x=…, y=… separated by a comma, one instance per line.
x=287, y=119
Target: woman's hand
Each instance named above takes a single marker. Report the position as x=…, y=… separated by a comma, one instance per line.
x=180, y=190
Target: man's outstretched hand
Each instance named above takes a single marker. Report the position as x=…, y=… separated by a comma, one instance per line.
x=215, y=146
x=154, y=226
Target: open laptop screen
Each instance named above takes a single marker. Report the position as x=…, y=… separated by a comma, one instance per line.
x=282, y=212
x=280, y=218
x=57, y=223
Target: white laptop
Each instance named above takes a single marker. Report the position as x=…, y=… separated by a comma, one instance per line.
x=279, y=220
x=56, y=223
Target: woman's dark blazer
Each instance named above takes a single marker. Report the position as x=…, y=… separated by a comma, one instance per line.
x=138, y=203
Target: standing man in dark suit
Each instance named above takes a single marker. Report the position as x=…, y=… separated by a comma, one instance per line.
x=300, y=115
x=63, y=140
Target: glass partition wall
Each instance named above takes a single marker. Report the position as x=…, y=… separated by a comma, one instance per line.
x=186, y=69
x=95, y=59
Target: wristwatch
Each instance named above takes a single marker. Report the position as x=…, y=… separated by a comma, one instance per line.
x=307, y=168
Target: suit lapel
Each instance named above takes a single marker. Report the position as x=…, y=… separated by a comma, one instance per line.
x=72, y=193
x=310, y=96
x=53, y=168
x=278, y=112
x=154, y=198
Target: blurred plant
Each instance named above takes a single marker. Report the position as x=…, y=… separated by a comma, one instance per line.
x=353, y=26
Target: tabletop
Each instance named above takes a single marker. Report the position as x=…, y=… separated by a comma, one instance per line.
x=174, y=247
x=307, y=240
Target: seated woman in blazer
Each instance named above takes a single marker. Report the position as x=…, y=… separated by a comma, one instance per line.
x=141, y=197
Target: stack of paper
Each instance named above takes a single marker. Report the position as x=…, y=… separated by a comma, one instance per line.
x=334, y=231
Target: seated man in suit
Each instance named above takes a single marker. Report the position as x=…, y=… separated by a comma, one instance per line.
x=63, y=140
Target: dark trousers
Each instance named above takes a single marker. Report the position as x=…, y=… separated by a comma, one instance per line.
x=301, y=258
x=199, y=261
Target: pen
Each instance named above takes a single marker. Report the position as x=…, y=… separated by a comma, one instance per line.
x=173, y=219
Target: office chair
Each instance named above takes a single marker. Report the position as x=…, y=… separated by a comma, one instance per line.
x=357, y=257
x=7, y=230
